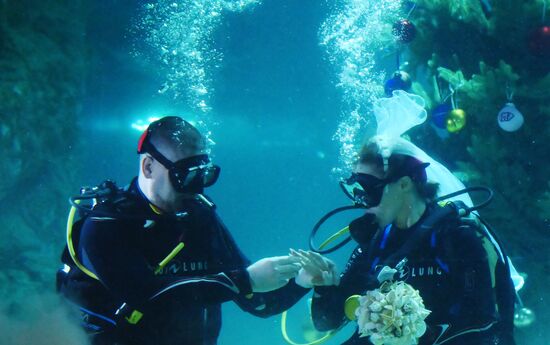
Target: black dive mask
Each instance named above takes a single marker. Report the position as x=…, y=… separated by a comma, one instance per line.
x=193, y=174
x=364, y=189
x=188, y=175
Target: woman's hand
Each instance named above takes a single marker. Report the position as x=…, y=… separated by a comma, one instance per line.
x=316, y=269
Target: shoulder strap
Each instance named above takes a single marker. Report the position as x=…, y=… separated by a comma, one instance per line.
x=440, y=213
x=110, y=201
x=72, y=244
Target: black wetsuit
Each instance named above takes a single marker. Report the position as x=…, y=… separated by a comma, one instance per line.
x=180, y=303
x=458, y=268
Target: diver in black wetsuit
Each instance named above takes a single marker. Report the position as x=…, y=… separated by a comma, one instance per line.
x=455, y=263
x=152, y=264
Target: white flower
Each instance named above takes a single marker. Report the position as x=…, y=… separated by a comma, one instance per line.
x=374, y=317
x=393, y=315
x=375, y=306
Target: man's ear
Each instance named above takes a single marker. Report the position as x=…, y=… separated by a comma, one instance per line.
x=147, y=167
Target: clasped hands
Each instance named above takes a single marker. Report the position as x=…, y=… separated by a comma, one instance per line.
x=308, y=268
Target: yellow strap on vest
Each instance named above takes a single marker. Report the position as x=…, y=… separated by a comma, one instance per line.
x=134, y=317
x=70, y=246
x=169, y=258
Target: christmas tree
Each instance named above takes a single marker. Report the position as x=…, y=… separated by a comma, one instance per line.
x=483, y=69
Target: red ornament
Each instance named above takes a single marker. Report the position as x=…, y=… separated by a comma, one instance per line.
x=539, y=41
x=404, y=31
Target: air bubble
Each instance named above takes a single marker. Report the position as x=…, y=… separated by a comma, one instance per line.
x=351, y=37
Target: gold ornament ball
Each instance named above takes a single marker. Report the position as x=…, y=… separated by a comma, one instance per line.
x=351, y=305
x=456, y=120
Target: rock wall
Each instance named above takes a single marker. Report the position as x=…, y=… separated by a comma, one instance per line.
x=43, y=62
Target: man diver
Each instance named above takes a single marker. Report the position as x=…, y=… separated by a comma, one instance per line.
x=453, y=261
x=152, y=264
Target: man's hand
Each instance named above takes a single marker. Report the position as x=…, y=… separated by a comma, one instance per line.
x=316, y=269
x=269, y=274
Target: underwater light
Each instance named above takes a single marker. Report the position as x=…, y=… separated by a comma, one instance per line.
x=141, y=125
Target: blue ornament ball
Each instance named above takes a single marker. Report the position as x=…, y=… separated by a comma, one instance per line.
x=439, y=115
x=399, y=81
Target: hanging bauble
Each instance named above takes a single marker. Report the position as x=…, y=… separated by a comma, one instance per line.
x=404, y=31
x=439, y=115
x=539, y=41
x=524, y=317
x=399, y=81
x=509, y=118
x=456, y=120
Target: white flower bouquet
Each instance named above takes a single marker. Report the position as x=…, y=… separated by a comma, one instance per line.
x=392, y=314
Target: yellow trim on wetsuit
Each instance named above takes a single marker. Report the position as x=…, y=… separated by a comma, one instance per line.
x=70, y=246
x=134, y=317
x=174, y=251
x=72, y=251
x=169, y=257
x=155, y=209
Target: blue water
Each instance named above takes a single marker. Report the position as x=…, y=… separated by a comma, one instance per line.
x=273, y=107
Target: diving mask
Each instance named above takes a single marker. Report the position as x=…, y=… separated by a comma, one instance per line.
x=364, y=189
x=188, y=175
x=193, y=173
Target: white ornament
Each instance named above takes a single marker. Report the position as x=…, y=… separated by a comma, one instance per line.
x=509, y=118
